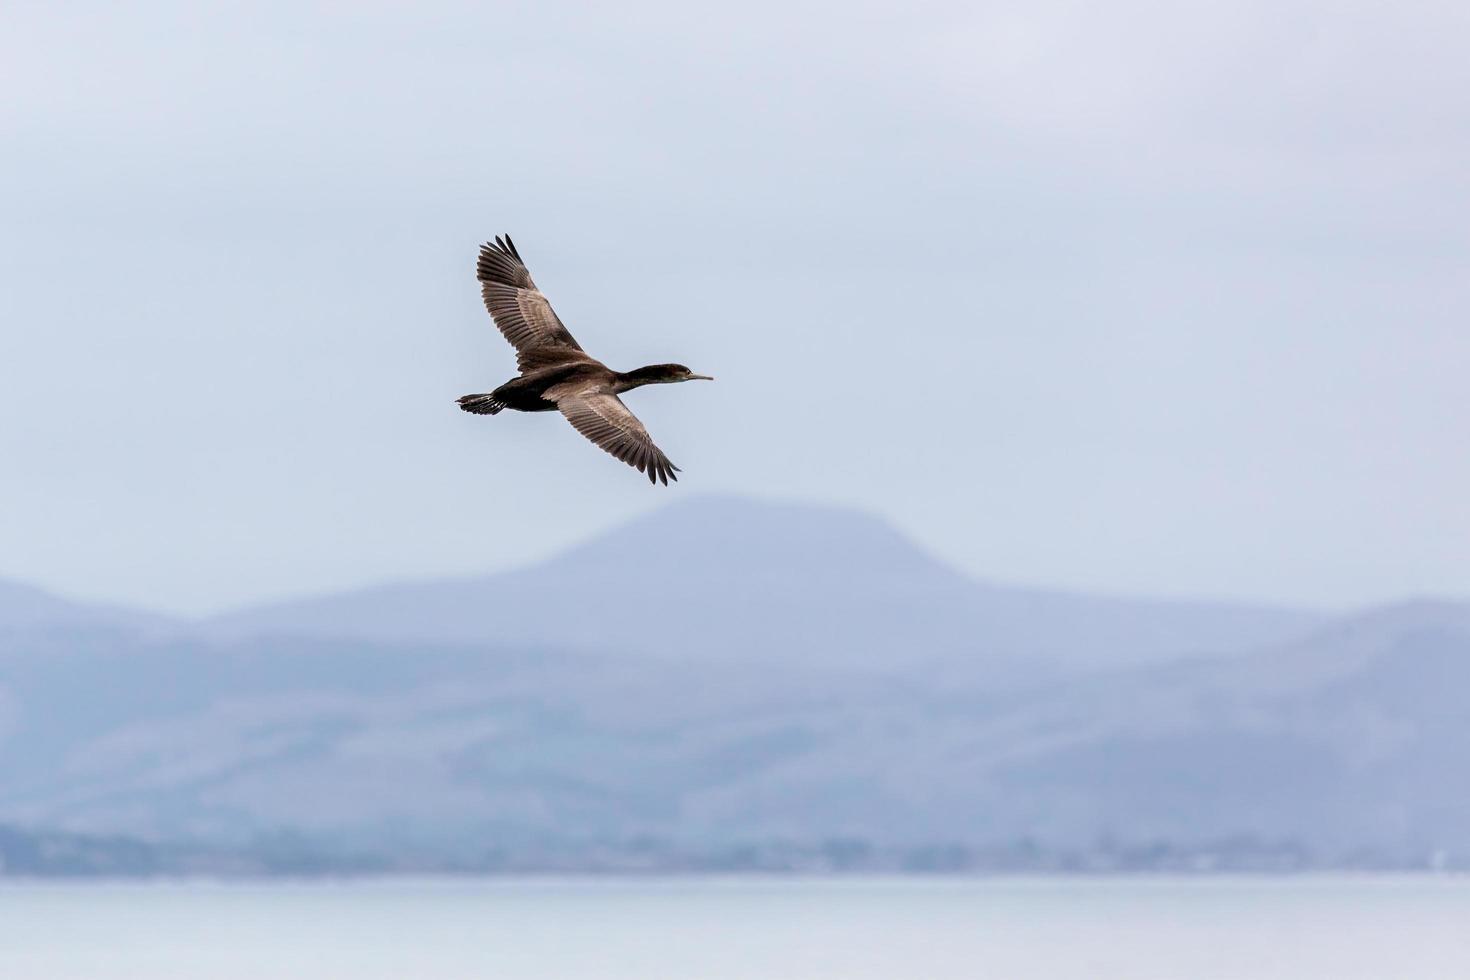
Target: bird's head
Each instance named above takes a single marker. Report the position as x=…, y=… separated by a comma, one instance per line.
x=657, y=374
x=678, y=372
x=666, y=374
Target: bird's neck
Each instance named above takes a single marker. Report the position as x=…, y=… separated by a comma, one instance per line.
x=638, y=377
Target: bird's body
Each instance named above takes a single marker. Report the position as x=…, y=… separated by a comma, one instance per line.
x=532, y=392
x=556, y=374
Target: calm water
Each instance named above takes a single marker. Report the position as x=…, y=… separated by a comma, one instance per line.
x=906, y=929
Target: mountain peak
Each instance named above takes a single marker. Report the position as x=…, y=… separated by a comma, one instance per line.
x=729, y=578
x=727, y=537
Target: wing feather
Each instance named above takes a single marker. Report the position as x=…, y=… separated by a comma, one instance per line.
x=522, y=313
x=602, y=417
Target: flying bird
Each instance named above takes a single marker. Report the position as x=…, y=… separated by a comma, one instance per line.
x=557, y=375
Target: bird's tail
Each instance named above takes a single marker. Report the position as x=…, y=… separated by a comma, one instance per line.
x=481, y=404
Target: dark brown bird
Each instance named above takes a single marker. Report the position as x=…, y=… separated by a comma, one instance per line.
x=556, y=374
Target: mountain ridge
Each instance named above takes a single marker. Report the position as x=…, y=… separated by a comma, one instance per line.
x=26, y=607
x=733, y=578
x=863, y=690
x=452, y=749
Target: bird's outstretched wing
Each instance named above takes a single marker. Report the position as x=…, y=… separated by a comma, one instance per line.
x=602, y=417
x=520, y=311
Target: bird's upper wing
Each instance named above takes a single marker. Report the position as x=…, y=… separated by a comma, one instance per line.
x=602, y=417
x=519, y=309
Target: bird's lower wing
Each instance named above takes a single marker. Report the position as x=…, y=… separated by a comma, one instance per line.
x=602, y=417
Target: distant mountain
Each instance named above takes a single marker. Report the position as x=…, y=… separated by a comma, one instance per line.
x=737, y=580
x=1353, y=737
x=731, y=678
x=27, y=608
x=1350, y=740
x=53, y=854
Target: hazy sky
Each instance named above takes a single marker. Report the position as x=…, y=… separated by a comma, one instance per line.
x=1137, y=297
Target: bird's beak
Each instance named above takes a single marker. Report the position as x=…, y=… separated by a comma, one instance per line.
x=700, y=377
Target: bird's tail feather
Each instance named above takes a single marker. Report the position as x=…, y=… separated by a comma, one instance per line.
x=486, y=404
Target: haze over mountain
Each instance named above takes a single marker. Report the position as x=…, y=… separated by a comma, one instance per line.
x=1339, y=734
x=1354, y=737
x=736, y=579
x=25, y=607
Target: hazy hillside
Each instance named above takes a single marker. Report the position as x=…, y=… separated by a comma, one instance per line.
x=1354, y=737
x=734, y=579
x=25, y=608
x=722, y=673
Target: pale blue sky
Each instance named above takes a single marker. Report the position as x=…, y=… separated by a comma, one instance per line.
x=1132, y=297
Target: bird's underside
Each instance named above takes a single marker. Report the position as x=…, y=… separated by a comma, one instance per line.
x=555, y=373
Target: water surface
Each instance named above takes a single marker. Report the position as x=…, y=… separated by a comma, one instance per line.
x=1340, y=928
